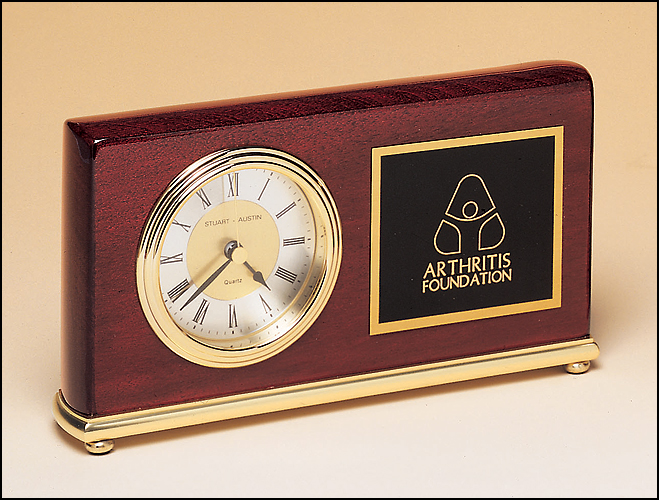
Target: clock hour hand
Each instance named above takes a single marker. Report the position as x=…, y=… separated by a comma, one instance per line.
x=239, y=255
x=257, y=275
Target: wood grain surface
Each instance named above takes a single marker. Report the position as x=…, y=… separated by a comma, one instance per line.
x=115, y=167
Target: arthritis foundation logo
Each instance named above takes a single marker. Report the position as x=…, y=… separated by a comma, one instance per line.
x=471, y=224
x=470, y=206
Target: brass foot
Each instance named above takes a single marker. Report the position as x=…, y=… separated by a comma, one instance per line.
x=576, y=368
x=100, y=447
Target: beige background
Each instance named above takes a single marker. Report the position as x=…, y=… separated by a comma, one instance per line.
x=541, y=433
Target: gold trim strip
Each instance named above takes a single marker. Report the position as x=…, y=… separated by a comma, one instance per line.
x=315, y=393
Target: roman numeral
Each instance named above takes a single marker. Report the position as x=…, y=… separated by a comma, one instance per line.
x=285, y=274
x=262, y=190
x=204, y=199
x=293, y=241
x=265, y=304
x=164, y=259
x=201, y=312
x=184, y=226
x=233, y=320
x=233, y=184
x=285, y=210
x=179, y=290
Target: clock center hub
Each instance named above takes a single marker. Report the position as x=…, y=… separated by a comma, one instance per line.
x=239, y=255
x=242, y=231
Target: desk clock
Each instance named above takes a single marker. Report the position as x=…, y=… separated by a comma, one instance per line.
x=234, y=258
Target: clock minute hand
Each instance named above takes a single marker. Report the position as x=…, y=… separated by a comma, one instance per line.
x=208, y=281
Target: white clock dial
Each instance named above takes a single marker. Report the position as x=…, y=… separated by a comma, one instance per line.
x=243, y=248
x=259, y=224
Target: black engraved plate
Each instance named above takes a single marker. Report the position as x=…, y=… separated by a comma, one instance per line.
x=466, y=228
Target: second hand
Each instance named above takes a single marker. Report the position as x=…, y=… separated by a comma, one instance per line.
x=233, y=190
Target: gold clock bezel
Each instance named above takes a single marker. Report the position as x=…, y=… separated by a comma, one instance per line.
x=185, y=185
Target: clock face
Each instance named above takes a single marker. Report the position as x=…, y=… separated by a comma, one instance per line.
x=238, y=257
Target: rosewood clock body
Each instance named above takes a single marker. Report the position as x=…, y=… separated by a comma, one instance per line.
x=116, y=167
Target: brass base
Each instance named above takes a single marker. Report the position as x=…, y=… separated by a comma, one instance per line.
x=100, y=447
x=98, y=433
x=576, y=368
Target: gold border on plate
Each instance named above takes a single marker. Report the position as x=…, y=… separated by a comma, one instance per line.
x=377, y=328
